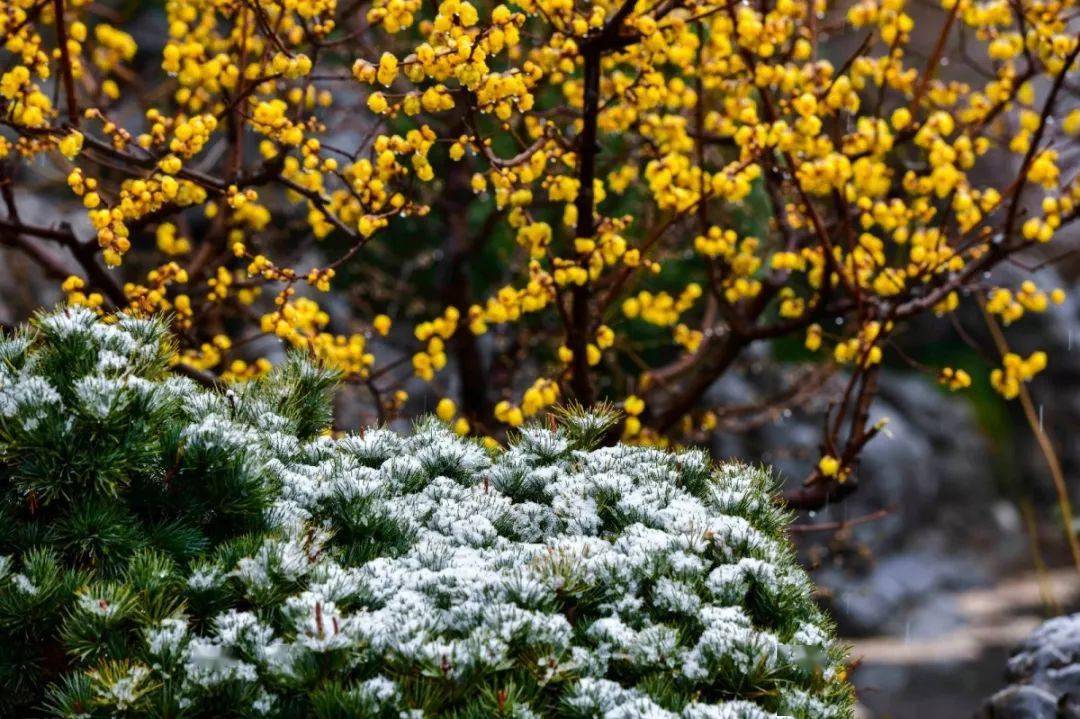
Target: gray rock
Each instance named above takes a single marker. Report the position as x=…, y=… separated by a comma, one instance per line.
x=1021, y=702
x=908, y=594
x=1044, y=675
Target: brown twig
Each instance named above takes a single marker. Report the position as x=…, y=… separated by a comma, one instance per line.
x=842, y=524
x=935, y=59
x=65, y=63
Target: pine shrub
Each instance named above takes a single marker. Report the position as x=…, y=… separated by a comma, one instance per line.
x=173, y=551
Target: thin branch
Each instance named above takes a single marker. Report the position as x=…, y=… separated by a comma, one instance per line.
x=935, y=59
x=65, y=63
x=841, y=525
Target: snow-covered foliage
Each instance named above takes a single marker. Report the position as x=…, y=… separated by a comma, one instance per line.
x=174, y=551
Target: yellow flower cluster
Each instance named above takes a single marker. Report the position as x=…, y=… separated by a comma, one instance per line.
x=1011, y=306
x=241, y=371
x=301, y=321
x=509, y=304
x=1015, y=370
x=206, y=356
x=543, y=393
x=830, y=466
x=863, y=350
x=446, y=410
x=661, y=308
x=435, y=333
x=590, y=172
x=152, y=298
x=168, y=242
x=73, y=288
x=633, y=406
x=27, y=104
x=954, y=379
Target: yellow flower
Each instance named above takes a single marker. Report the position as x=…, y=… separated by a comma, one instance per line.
x=445, y=409
x=829, y=465
x=381, y=323
x=377, y=103
x=388, y=68
x=954, y=379
x=901, y=118
x=71, y=144
x=634, y=405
